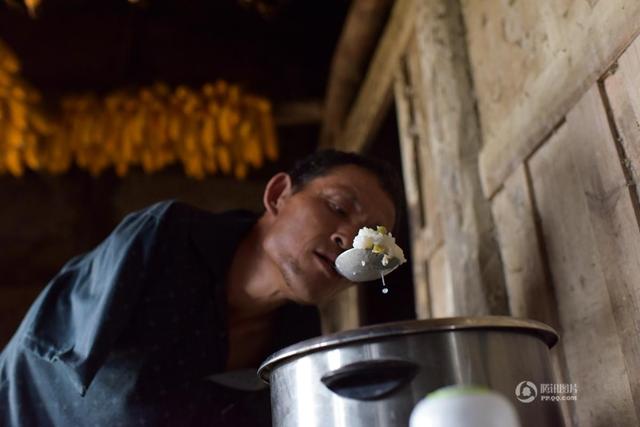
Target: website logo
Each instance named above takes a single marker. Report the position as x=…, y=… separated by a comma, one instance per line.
x=526, y=391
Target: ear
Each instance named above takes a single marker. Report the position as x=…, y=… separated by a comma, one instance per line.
x=278, y=189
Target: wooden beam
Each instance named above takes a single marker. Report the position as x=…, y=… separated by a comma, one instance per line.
x=298, y=113
x=412, y=169
x=532, y=61
x=375, y=94
x=475, y=266
x=360, y=33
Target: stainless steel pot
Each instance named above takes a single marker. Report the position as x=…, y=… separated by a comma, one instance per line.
x=374, y=376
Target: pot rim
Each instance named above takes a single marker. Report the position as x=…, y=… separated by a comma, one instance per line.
x=385, y=330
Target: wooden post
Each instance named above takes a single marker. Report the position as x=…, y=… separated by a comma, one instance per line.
x=420, y=186
x=413, y=168
x=475, y=266
x=374, y=97
x=348, y=66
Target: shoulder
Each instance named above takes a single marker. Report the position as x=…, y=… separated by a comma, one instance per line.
x=172, y=210
x=164, y=215
x=165, y=209
x=182, y=220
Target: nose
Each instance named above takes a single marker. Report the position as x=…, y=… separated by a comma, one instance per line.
x=340, y=240
x=343, y=238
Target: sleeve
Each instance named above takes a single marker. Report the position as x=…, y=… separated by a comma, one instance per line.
x=82, y=311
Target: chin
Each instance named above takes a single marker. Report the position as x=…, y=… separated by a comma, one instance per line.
x=310, y=288
x=302, y=294
x=318, y=298
x=304, y=298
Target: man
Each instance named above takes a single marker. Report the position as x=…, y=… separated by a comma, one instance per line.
x=128, y=333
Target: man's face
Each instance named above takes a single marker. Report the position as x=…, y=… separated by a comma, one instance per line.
x=314, y=225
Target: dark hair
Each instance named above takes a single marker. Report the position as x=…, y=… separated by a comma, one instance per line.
x=322, y=162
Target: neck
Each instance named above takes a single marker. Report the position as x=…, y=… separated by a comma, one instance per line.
x=253, y=281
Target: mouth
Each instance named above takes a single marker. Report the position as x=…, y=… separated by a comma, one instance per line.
x=327, y=265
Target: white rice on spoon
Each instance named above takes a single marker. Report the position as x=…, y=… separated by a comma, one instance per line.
x=379, y=241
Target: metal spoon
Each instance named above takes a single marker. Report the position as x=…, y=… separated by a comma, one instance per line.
x=362, y=265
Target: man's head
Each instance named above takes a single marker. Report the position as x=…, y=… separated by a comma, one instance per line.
x=314, y=212
x=322, y=162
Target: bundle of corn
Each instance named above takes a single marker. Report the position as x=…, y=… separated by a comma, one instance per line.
x=23, y=127
x=216, y=129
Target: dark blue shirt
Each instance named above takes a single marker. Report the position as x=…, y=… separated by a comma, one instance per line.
x=125, y=334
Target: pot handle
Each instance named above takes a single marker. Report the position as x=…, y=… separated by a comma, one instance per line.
x=371, y=379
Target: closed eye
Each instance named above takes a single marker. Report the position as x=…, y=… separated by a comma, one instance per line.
x=337, y=209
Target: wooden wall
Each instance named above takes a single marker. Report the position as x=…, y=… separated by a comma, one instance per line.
x=557, y=163
x=448, y=213
x=556, y=91
x=519, y=125
x=456, y=257
x=532, y=60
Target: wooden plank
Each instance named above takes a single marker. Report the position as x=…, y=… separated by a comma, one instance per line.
x=358, y=39
x=419, y=178
x=411, y=176
x=430, y=203
x=560, y=176
x=533, y=60
x=442, y=296
x=410, y=162
x=454, y=138
x=422, y=296
x=375, y=95
x=529, y=289
x=530, y=293
x=614, y=223
x=623, y=89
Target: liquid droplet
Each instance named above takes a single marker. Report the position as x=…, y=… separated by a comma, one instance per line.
x=385, y=290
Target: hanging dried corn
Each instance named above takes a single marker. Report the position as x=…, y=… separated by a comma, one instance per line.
x=23, y=127
x=217, y=129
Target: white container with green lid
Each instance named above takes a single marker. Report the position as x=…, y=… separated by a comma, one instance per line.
x=464, y=406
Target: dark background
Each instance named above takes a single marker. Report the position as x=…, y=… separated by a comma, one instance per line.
x=99, y=46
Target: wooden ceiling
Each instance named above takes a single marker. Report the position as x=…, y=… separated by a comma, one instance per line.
x=77, y=45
